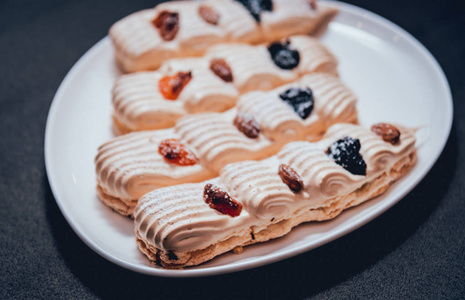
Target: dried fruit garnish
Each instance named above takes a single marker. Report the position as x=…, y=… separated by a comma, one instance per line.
x=175, y=152
x=313, y=4
x=301, y=100
x=220, y=201
x=283, y=56
x=388, y=132
x=221, y=69
x=290, y=177
x=167, y=23
x=255, y=7
x=247, y=124
x=209, y=15
x=346, y=153
x=171, y=86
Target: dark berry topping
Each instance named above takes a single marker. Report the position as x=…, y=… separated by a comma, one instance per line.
x=255, y=7
x=220, y=201
x=168, y=24
x=388, y=132
x=290, y=177
x=283, y=56
x=346, y=153
x=175, y=152
x=209, y=15
x=247, y=124
x=301, y=100
x=221, y=69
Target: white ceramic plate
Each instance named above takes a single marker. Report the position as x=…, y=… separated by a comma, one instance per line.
x=396, y=80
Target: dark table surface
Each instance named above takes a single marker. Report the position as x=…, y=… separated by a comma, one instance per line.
x=415, y=250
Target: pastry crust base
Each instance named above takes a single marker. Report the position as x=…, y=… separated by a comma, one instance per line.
x=178, y=259
x=118, y=205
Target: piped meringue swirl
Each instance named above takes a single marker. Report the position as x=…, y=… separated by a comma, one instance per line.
x=334, y=103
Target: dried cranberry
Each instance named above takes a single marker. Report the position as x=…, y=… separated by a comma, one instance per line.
x=283, y=56
x=209, y=15
x=221, y=69
x=255, y=7
x=301, y=100
x=388, y=132
x=346, y=153
x=171, y=86
x=290, y=177
x=176, y=152
x=220, y=201
x=247, y=124
x=167, y=23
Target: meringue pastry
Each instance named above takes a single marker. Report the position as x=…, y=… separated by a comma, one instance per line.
x=255, y=201
x=145, y=39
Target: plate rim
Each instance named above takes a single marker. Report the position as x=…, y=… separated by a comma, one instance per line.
x=270, y=258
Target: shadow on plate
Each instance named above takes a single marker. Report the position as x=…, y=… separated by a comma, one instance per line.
x=301, y=276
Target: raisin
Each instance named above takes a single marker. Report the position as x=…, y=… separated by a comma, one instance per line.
x=175, y=152
x=346, y=153
x=167, y=23
x=221, y=69
x=172, y=255
x=209, y=15
x=247, y=124
x=290, y=177
x=301, y=100
x=388, y=132
x=220, y=201
x=283, y=56
x=255, y=7
x=313, y=4
x=171, y=86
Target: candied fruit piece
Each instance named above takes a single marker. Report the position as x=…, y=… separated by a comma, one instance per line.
x=171, y=86
x=389, y=133
x=255, y=7
x=167, y=23
x=221, y=69
x=175, y=152
x=290, y=177
x=283, y=56
x=209, y=15
x=301, y=100
x=346, y=153
x=220, y=201
x=247, y=124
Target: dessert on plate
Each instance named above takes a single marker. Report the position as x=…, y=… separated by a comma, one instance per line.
x=239, y=128
x=255, y=201
x=145, y=39
x=200, y=145
x=156, y=99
